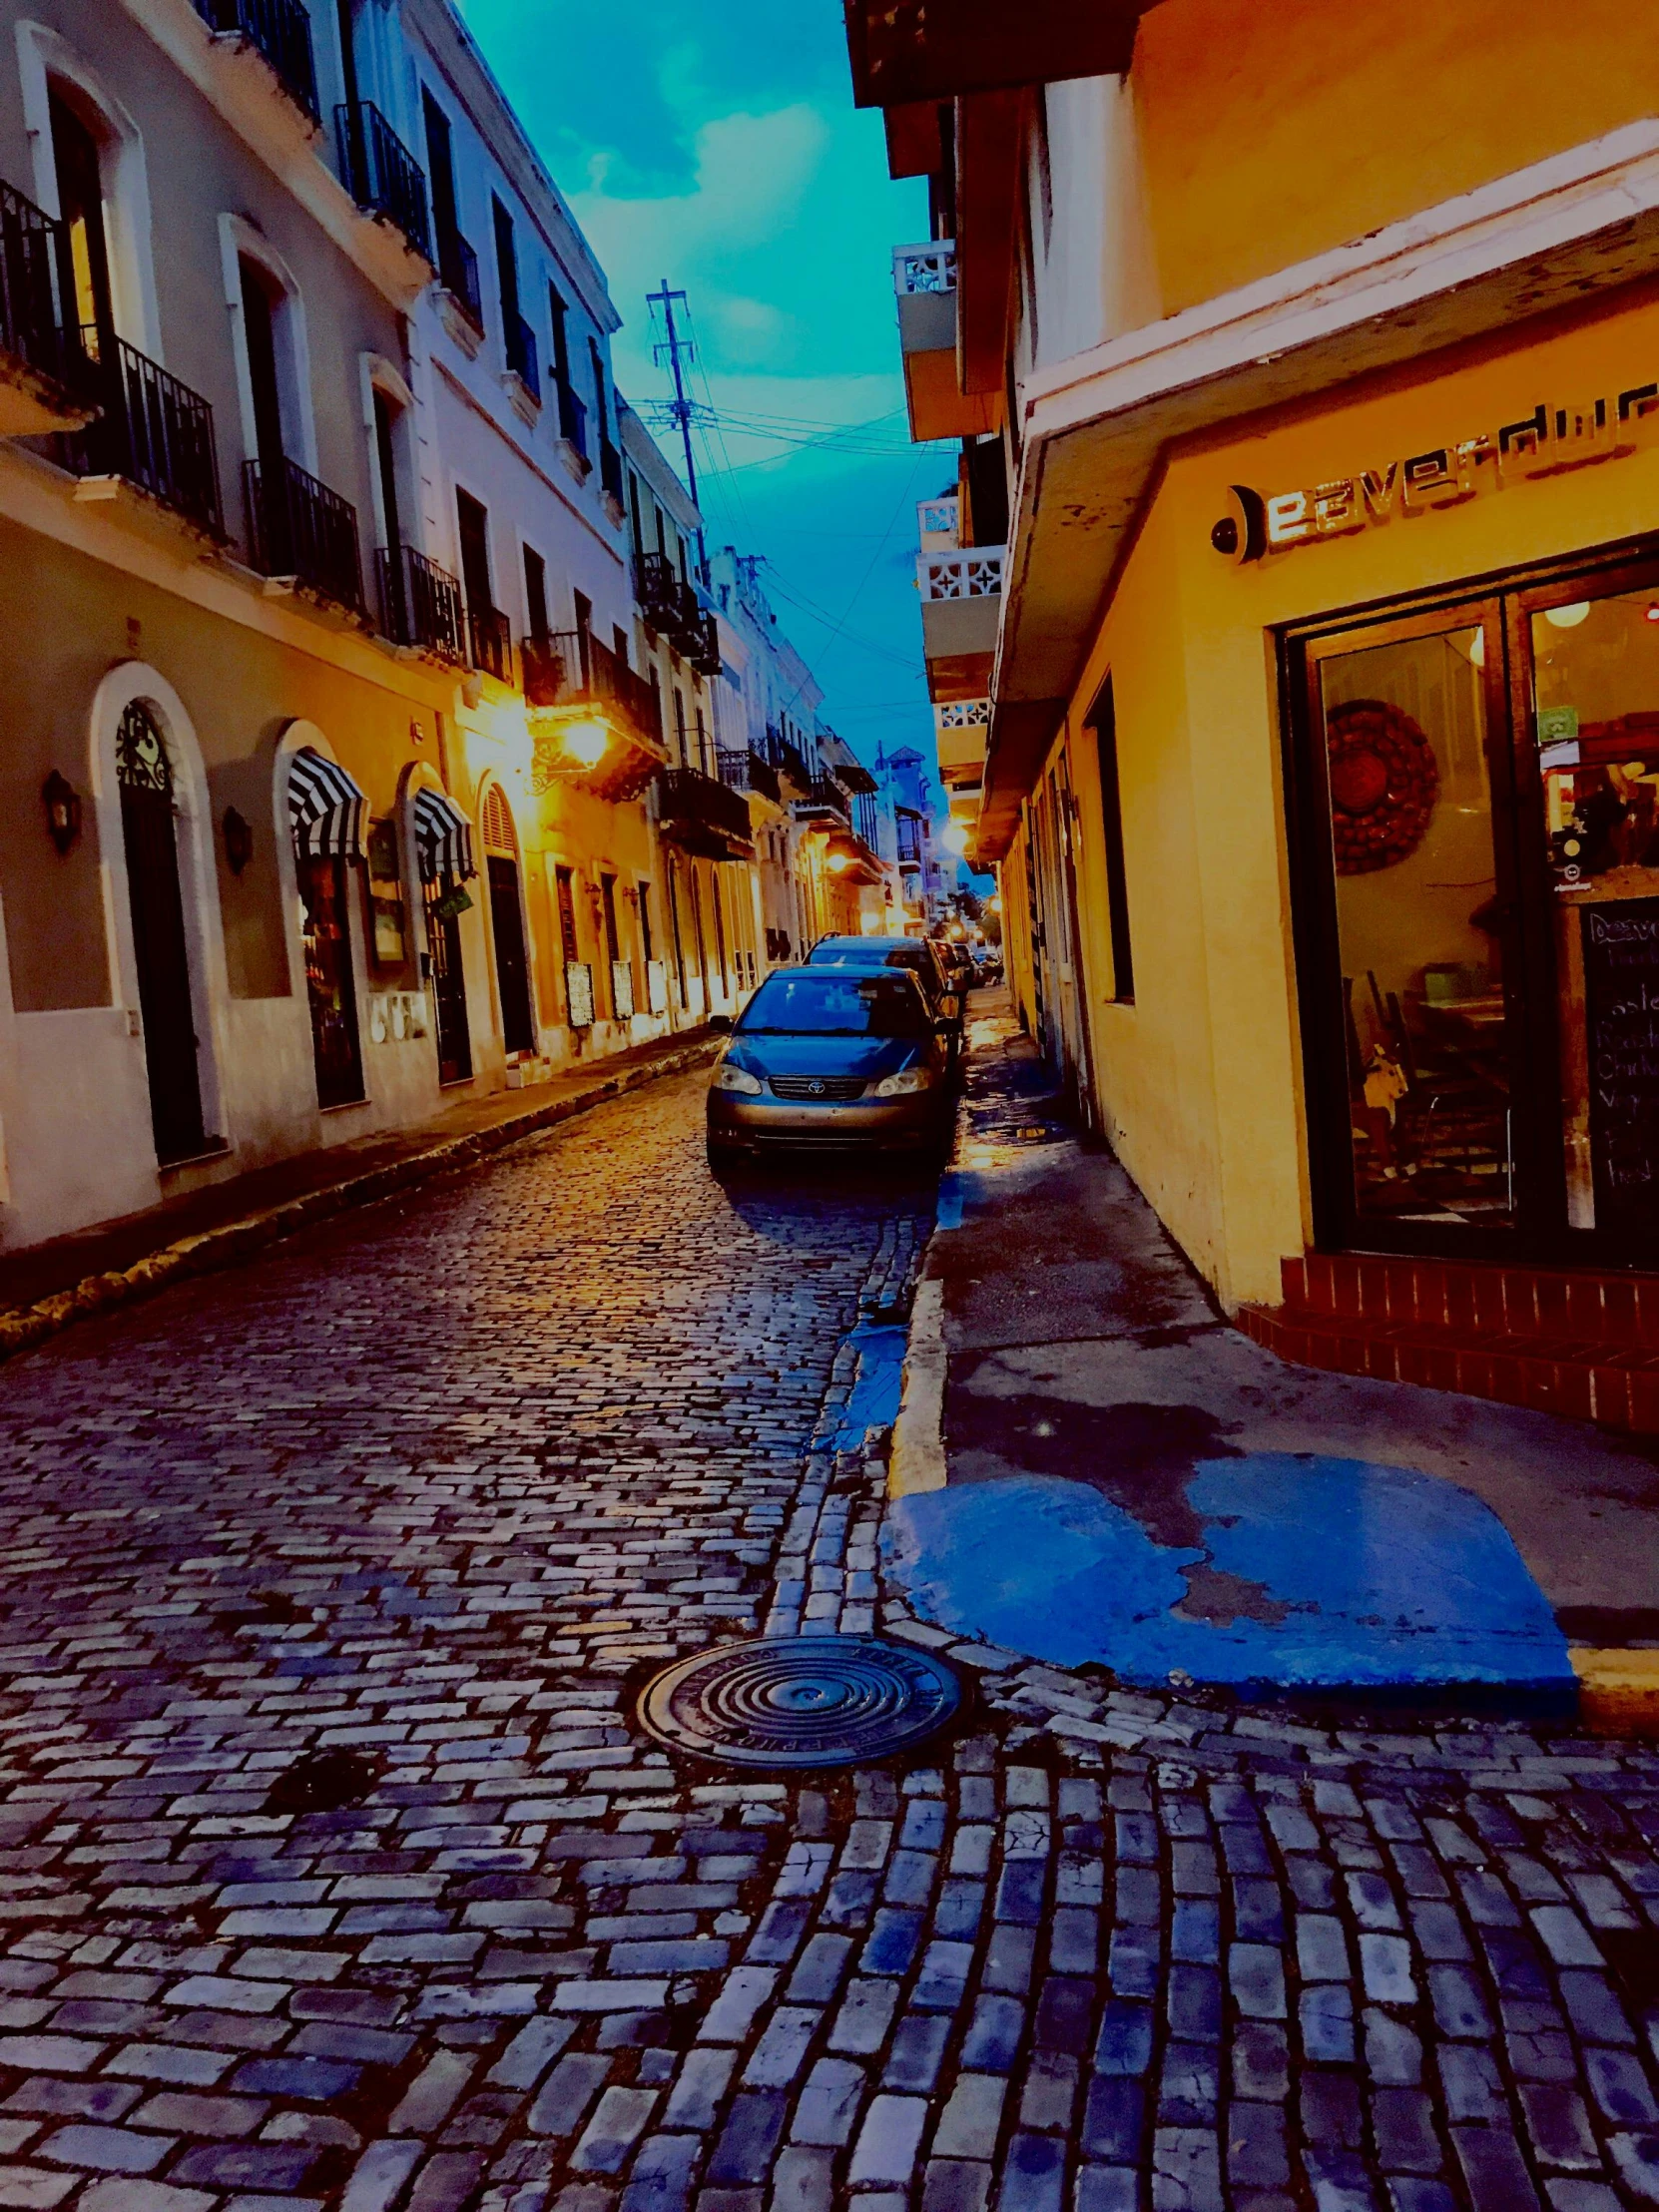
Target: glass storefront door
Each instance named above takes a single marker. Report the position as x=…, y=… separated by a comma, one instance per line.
x=1477, y=798
x=1593, y=717
x=1417, y=1030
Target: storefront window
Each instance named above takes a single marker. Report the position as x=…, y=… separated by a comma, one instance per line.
x=1417, y=916
x=1596, y=726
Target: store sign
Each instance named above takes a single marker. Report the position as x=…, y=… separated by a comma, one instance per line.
x=1548, y=441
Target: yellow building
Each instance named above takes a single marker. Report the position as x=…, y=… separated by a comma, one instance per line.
x=1322, y=770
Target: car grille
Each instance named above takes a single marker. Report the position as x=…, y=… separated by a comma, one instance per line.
x=816, y=1087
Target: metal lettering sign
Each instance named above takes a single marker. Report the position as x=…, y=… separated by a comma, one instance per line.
x=1550, y=439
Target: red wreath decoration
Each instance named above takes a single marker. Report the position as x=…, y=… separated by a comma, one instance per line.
x=1384, y=785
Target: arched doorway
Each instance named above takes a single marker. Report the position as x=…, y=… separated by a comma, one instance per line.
x=143, y=778
x=512, y=965
x=443, y=852
x=326, y=814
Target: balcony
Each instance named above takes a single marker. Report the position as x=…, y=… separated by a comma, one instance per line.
x=743, y=770
x=904, y=50
x=380, y=172
x=47, y=381
x=788, y=758
x=420, y=605
x=302, y=534
x=593, y=720
x=490, y=640
x=962, y=604
x=824, y=804
x=154, y=433
x=522, y=360
x=657, y=588
x=279, y=32
x=702, y=647
x=701, y=815
x=924, y=281
x=960, y=730
x=459, y=275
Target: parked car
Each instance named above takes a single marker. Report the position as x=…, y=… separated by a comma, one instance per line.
x=922, y=956
x=828, y=1056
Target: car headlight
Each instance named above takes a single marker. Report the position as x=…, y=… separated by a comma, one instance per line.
x=730, y=1077
x=903, y=1084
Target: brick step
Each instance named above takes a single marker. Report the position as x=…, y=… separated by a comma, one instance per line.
x=1614, y=1383
x=1580, y=1306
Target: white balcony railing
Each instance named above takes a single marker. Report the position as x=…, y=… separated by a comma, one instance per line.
x=924, y=267
x=962, y=713
x=974, y=572
x=939, y=524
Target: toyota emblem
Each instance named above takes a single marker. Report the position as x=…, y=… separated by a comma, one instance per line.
x=816, y=1089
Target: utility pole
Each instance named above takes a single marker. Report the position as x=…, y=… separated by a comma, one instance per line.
x=669, y=350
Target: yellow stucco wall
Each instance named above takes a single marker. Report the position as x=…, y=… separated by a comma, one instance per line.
x=1200, y=1080
x=1270, y=134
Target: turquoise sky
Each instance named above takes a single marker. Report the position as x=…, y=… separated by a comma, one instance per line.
x=715, y=144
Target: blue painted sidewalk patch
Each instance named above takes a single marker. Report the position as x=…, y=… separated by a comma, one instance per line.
x=872, y=1402
x=1313, y=1573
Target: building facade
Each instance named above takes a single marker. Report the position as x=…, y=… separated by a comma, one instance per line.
x=1322, y=658
x=342, y=705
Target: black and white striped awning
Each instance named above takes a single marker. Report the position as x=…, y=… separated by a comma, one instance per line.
x=325, y=808
x=443, y=838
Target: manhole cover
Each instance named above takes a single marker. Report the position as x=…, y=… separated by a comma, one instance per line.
x=801, y=1701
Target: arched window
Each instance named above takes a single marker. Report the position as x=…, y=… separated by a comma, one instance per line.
x=144, y=777
x=512, y=965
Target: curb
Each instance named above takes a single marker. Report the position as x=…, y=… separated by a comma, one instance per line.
x=1619, y=1691
x=26, y=1325
x=917, y=1458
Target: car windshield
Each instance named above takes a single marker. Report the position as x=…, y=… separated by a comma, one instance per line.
x=829, y=1006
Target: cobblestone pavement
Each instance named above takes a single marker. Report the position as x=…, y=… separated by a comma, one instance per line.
x=336, y=1873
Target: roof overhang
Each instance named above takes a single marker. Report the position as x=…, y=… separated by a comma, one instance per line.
x=911, y=50
x=1096, y=426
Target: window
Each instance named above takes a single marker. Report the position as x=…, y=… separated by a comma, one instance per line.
x=679, y=725
x=584, y=625
x=565, y=884
x=440, y=168
x=1103, y=719
x=607, y=896
x=596, y=362
x=473, y=524
x=506, y=261
x=621, y=644
x=646, y=953
x=258, y=321
x=535, y=595
x=81, y=205
x=385, y=461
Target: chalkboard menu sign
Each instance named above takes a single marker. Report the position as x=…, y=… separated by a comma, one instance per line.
x=1621, y=1015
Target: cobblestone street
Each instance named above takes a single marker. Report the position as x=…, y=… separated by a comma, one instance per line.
x=336, y=1872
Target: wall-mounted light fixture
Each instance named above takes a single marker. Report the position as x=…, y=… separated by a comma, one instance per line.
x=239, y=840
x=62, y=813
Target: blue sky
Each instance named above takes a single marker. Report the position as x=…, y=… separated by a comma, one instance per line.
x=717, y=144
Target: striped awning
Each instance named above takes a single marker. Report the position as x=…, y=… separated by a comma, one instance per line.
x=443, y=838
x=325, y=808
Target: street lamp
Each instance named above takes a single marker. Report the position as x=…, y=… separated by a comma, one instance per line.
x=954, y=836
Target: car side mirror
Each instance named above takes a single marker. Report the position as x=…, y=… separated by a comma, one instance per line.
x=721, y=1024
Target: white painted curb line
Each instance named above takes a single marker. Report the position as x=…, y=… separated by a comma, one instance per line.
x=917, y=1461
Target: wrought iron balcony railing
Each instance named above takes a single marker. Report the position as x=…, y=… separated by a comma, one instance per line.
x=297, y=527
x=573, y=418
x=380, y=172
x=154, y=431
x=573, y=667
x=37, y=324
x=459, y=275
x=657, y=588
x=492, y=640
x=824, y=796
x=281, y=31
x=420, y=603
x=521, y=355
x=702, y=648
x=787, y=758
x=744, y=771
x=702, y=815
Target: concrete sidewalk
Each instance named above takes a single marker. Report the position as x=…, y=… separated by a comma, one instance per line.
x=45, y=1287
x=1100, y=1469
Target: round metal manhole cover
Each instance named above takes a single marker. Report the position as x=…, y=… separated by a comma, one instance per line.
x=801, y=1701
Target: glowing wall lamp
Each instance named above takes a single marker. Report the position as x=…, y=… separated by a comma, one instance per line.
x=62, y=813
